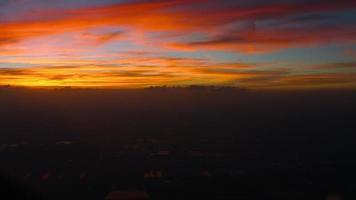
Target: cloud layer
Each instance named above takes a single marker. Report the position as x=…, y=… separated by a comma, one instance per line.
x=142, y=43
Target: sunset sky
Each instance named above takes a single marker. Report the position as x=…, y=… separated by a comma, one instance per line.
x=257, y=44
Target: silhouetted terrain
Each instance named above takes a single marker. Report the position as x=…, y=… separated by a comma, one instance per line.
x=175, y=143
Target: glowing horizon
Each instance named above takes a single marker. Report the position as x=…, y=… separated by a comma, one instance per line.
x=134, y=44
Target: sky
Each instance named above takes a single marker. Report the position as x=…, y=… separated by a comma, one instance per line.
x=256, y=44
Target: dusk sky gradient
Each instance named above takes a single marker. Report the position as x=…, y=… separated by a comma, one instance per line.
x=257, y=44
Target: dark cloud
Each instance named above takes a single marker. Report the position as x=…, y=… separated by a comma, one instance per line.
x=312, y=17
x=8, y=40
x=336, y=65
x=14, y=72
x=218, y=41
x=104, y=37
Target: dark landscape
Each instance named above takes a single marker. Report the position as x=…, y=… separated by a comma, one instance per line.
x=177, y=143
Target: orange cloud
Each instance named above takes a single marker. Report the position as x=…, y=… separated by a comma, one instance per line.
x=171, y=71
x=238, y=74
x=305, y=81
x=70, y=37
x=172, y=16
x=270, y=39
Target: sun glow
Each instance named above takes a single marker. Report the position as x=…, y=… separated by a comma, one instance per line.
x=149, y=43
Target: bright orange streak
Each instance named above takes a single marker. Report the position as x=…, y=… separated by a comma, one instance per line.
x=112, y=77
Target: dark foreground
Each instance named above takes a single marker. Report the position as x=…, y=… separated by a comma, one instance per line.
x=177, y=144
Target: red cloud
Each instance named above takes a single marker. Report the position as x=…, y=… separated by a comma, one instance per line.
x=202, y=16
